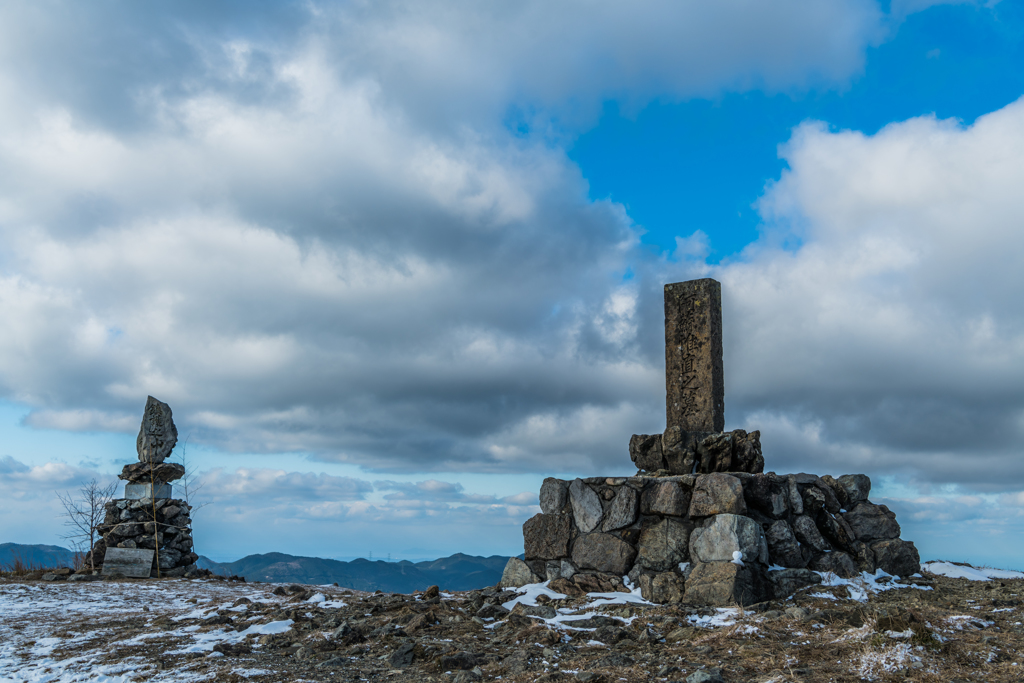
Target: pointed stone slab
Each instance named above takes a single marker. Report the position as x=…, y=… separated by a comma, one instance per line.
x=157, y=435
x=694, y=372
x=131, y=562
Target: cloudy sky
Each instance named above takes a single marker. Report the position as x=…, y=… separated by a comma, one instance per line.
x=392, y=263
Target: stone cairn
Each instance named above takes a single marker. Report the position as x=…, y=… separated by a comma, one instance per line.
x=701, y=523
x=148, y=532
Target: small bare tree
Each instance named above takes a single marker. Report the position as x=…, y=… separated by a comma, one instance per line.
x=190, y=484
x=84, y=514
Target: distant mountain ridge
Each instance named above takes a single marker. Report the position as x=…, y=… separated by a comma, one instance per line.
x=35, y=556
x=458, y=572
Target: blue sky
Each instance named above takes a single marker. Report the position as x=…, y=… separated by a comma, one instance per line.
x=392, y=264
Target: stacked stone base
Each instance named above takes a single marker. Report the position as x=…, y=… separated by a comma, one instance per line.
x=710, y=539
x=130, y=524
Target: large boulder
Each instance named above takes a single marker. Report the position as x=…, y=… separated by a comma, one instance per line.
x=157, y=435
x=645, y=452
x=872, y=522
x=586, y=506
x=664, y=544
x=897, y=557
x=662, y=588
x=517, y=574
x=715, y=494
x=807, y=532
x=604, y=553
x=856, y=486
x=783, y=548
x=666, y=498
x=622, y=512
x=837, y=562
x=553, y=495
x=764, y=493
x=785, y=582
x=726, y=584
x=547, y=537
x=726, y=535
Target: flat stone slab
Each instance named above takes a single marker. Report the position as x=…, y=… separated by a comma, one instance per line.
x=132, y=562
x=139, y=491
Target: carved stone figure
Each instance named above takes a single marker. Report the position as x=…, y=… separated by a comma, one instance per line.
x=158, y=434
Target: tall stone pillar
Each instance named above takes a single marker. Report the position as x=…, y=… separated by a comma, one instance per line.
x=694, y=375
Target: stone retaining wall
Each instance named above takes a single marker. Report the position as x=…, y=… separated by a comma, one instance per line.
x=715, y=539
x=129, y=524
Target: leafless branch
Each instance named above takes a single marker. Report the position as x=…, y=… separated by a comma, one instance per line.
x=84, y=513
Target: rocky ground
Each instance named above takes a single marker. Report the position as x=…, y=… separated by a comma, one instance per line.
x=944, y=629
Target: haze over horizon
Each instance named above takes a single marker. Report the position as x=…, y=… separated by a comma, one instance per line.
x=393, y=263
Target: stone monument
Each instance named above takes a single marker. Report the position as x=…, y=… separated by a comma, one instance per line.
x=148, y=532
x=701, y=522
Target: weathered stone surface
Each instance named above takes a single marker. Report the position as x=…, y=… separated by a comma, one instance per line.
x=831, y=502
x=808, y=534
x=604, y=553
x=856, y=486
x=714, y=453
x=645, y=452
x=517, y=573
x=837, y=562
x=785, y=582
x=725, y=535
x=622, y=512
x=897, y=557
x=127, y=562
x=664, y=544
x=666, y=498
x=863, y=556
x=663, y=588
x=157, y=435
x=553, y=495
x=783, y=548
x=764, y=493
x=694, y=374
x=679, y=449
x=796, y=501
x=813, y=499
x=139, y=472
x=836, y=530
x=586, y=506
x=547, y=537
x=715, y=494
x=872, y=522
x=725, y=584
x=593, y=583
x=746, y=452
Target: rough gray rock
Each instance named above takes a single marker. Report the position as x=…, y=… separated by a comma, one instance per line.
x=714, y=453
x=716, y=494
x=662, y=588
x=604, y=553
x=856, y=486
x=897, y=557
x=785, y=582
x=872, y=522
x=764, y=493
x=746, y=452
x=807, y=533
x=837, y=562
x=666, y=498
x=553, y=496
x=145, y=472
x=586, y=506
x=725, y=535
x=645, y=452
x=157, y=435
x=783, y=548
x=622, y=511
x=664, y=544
x=725, y=583
x=547, y=537
x=517, y=573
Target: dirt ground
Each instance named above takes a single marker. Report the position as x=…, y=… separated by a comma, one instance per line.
x=943, y=629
